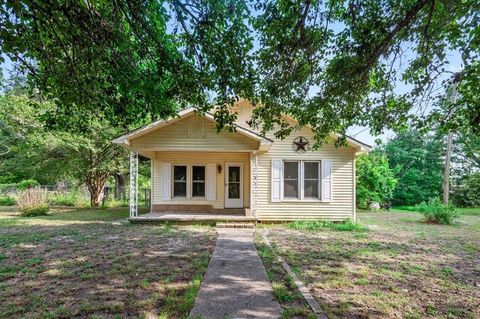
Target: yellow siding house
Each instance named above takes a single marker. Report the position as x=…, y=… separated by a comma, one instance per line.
x=195, y=170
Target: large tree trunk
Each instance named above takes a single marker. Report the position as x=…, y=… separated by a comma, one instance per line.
x=95, y=182
x=119, y=186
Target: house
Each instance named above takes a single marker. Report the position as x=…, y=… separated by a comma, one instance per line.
x=196, y=169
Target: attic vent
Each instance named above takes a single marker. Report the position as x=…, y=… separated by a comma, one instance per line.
x=195, y=127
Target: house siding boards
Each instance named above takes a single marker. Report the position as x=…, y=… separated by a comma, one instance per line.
x=202, y=158
x=179, y=136
x=341, y=206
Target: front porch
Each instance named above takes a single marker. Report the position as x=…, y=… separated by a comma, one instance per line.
x=191, y=217
x=195, y=169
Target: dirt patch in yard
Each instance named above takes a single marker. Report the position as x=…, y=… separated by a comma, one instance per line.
x=64, y=267
x=401, y=267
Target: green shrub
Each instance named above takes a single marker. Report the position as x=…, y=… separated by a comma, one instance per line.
x=375, y=180
x=7, y=201
x=61, y=200
x=32, y=211
x=467, y=192
x=27, y=183
x=67, y=199
x=435, y=212
x=111, y=202
x=324, y=225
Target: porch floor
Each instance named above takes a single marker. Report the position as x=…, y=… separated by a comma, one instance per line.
x=191, y=217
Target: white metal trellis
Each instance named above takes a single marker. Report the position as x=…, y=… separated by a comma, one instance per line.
x=255, y=180
x=133, y=184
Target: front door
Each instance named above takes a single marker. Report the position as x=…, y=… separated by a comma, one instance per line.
x=233, y=185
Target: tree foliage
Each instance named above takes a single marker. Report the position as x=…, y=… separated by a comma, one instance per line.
x=375, y=180
x=466, y=193
x=30, y=151
x=417, y=159
x=330, y=64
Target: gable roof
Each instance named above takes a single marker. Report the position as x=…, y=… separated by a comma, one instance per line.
x=265, y=143
x=124, y=140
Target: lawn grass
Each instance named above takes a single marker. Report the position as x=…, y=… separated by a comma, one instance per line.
x=475, y=211
x=401, y=268
x=92, y=264
x=284, y=289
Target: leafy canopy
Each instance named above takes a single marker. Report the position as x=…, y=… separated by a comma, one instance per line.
x=375, y=180
x=330, y=64
x=417, y=159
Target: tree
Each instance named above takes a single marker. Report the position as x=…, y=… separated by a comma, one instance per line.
x=30, y=151
x=417, y=159
x=330, y=64
x=375, y=180
x=466, y=193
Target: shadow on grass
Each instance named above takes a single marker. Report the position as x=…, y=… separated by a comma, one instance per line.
x=103, y=270
x=11, y=216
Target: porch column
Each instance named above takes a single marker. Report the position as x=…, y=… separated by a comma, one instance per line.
x=133, y=184
x=253, y=182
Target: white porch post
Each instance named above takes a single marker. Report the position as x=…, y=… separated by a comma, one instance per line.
x=253, y=182
x=133, y=184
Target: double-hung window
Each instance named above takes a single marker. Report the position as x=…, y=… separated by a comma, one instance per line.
x=179, y=181
x=301, y=180
x=311, y=180
x=291, y=180
x=189, y=181
x=198, y=181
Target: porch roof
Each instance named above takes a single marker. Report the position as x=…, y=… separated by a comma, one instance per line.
x=124, y=140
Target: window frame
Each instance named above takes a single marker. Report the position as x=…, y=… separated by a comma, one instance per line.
x=319, y=180
x=301, y=181
x=298, y=179
x=186, y=180
x=193, y=181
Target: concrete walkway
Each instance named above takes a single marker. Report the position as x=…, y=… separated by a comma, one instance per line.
x=235, y=284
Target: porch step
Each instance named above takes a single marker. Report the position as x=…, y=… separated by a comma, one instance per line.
x=235, y=225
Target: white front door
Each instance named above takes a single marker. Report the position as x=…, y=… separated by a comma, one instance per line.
x=233, y=185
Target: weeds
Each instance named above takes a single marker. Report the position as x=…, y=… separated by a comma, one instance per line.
x=7, y=201
x=327, y=225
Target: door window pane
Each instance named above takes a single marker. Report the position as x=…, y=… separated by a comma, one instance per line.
x=234, y=182
x=180, y=181
x=290, y=179
x=198, y=181
x=233, y=190
x=310, y=180
x=234, y=174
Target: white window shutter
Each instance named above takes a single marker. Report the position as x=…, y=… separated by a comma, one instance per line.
x=326, y=180
x=157, y=181
x=166, y=180
x=211, y=182
x=276, y=185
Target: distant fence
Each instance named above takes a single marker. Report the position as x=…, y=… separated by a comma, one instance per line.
x=110, y=196
x=123, y=194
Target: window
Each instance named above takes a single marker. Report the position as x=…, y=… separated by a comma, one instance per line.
x=198, y=181
x=301, y=179
x=290, y=177
x=179, y=181
x=310, y=180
